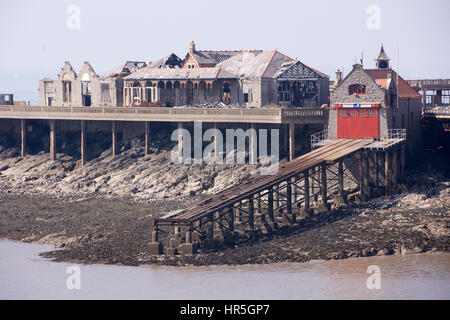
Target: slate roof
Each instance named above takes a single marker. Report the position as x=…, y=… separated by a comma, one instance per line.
x=382, y=55
x=251, y=64
x=212, y=57
x=148, y=73
x=171, y=60
x=403, y=88
x=125, y=69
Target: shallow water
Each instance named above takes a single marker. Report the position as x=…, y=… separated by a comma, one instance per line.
x=25, y=275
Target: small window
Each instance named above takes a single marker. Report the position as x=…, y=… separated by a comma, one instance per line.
x=356, y=89
x=245, y=97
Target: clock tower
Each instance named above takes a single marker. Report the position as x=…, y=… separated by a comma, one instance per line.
x=382, y=61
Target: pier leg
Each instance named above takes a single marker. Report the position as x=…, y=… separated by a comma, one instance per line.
x=114, y=139
x=52, y=139
x=231, y=218
x=155, y=247
x=377, y=173
x=210, y=226
x=387, y=168
x=342, y=196
x=306, y=211
x=323, y=189
x=270, y=207
x=361, y=174
x=365, y=174
x=290, y=215
x=23, y=137
x=402, y=162
x=83, y=142
x=251, y=213
x=147, y=138
x=291, y=140
x=395, y=168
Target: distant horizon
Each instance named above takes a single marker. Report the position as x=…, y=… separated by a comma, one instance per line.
x=330, y=36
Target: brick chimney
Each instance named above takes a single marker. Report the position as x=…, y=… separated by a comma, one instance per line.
x=338, y=77
x=192, y=47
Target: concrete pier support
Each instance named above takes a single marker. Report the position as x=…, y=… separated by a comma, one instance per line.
x=402, y=162
x=83, y=143
x=288, y=197
x=291, y=140
x=155, y=247
x=52, y=139
x=147, y=138
x=114, y=138
x=377, y=170
x=387, y=170
x=365, y=175
x=23, y=138
x=395, y=168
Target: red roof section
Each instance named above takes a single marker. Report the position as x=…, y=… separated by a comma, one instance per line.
x=404, y=89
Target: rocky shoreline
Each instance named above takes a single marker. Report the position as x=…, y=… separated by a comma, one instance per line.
x=93, y=219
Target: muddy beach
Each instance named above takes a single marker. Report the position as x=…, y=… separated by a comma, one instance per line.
x=103, y=212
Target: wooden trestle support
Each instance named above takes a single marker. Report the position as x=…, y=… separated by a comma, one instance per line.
x=301, y=188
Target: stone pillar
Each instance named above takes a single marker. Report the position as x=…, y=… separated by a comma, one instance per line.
x=155, y=247
x=114, y=138
x=147, y=138
x=189, y=235
x=83, y=142
x=23, y=138
x=291, y=140
x=52, y=139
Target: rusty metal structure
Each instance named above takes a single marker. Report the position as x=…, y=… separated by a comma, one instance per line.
x=265, y=202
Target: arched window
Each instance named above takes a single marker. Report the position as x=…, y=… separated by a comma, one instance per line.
x=357, y=89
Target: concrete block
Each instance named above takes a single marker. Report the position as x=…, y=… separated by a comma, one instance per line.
x=187, y=248
x=171, y=251
x=174, y=242
x=155, y=248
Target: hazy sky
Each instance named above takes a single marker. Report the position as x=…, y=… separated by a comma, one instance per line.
x=36, y=39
